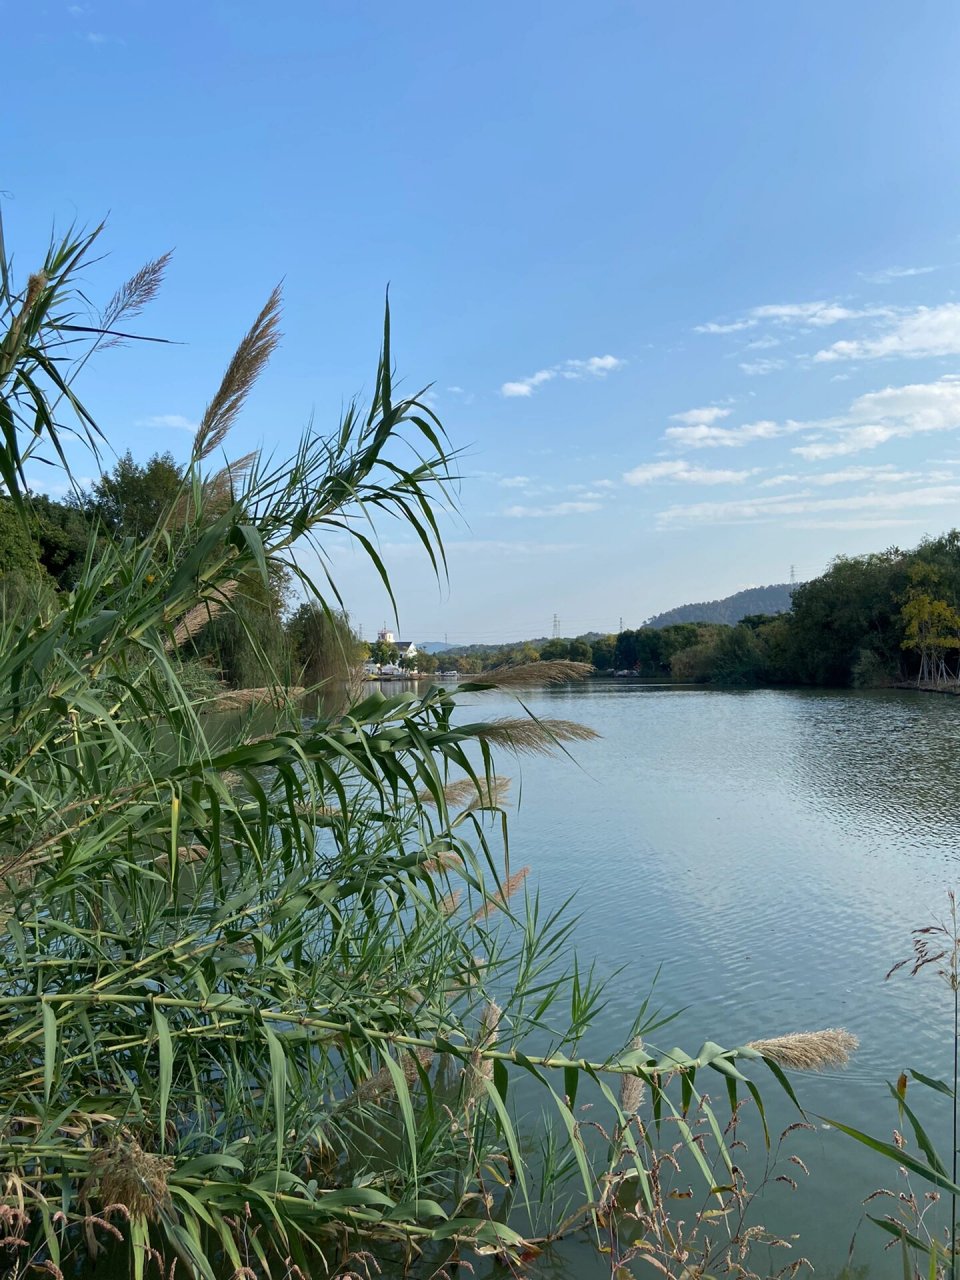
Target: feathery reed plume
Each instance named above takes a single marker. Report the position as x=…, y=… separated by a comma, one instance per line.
x=465, y=792
x=382, y=1081
x=135, y=293
x=531, y=674
x=533, y=737
x=446, y=860
x=809, y=1050
x=192, y=623
x=450, y=902
x=502, y=896
x=632, y=1088
x=126, y=1174
x=246, y=366
x=478, y=1067
x=241, y=699
x=219, y=490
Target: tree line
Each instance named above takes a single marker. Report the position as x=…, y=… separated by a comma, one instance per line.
x=887, y=618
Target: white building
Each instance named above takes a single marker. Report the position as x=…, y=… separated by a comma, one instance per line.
x=403, y=647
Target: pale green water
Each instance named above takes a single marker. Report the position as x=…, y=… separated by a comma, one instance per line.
x=771, y=851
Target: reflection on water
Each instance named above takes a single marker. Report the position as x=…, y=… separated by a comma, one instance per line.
x=772, y=851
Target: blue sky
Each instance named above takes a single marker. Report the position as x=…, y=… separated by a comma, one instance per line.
x=683, y=276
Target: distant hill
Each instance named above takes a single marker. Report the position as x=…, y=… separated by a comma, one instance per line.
x=774, y=599
x=434, y=646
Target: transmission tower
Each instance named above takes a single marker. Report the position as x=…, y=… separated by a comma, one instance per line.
x=793, y=574
x=556, y=626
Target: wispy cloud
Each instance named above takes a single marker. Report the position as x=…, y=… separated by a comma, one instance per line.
x=890, y=274
x=708, y=437
x=701, y=417
x=871, y=505
x=514, y=482
x=96, y=37
x=592, y=367
x=810, y=314
x=555, y=509
x=925, y=331
x=756, y=368
x=854, y=440
x=175, y=420
x=682, y=472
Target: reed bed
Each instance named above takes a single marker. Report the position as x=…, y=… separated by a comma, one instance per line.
x=232, y=1005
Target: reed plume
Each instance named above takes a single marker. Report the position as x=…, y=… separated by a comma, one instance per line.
x=632, y=1088
x=468, y=794
x=126, y=1174
x=533, y=737
x=241, y=699
x=530, y=674
x=502, y=896
x=192, y=623
x=247, y=364
x=479, y=1068
x=809, y=1050
x=135, y=293
x=445, y=860
x=381, y=1082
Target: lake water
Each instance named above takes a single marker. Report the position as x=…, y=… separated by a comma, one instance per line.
x=770, y=851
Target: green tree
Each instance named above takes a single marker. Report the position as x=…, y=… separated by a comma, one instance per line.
x=554, y=650
x=382, y=652
x=603, y=653
x=580, y=651
x=131, y=498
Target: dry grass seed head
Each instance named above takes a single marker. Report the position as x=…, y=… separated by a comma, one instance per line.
x=478, y=1067
x=632, y=1088
x=531, y=674
x=502, y=896
x=127, y=1175
x=534, y=737
x=192, y=623
x=247, y=364
x=482, y=794
x=809, y=1050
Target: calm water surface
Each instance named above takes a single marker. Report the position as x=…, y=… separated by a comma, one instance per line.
x=771, y=851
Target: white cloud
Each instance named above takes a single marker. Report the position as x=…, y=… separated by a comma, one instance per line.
x=527, y=386
x=707, y=437
x=816, y=314
x=593, y=367
x=457, y=391
x=514, y=482
x=873, y=505
x=878, y=475
x=701, y=417
x=175, y=420
x=556, y=509
x=762, y=344
x=855, y=440
x=895, y=273
x=926, y=331
x=756, y=368
x=894, y=412
x=680, y=471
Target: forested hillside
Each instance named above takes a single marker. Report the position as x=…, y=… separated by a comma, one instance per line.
x=731, y=609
